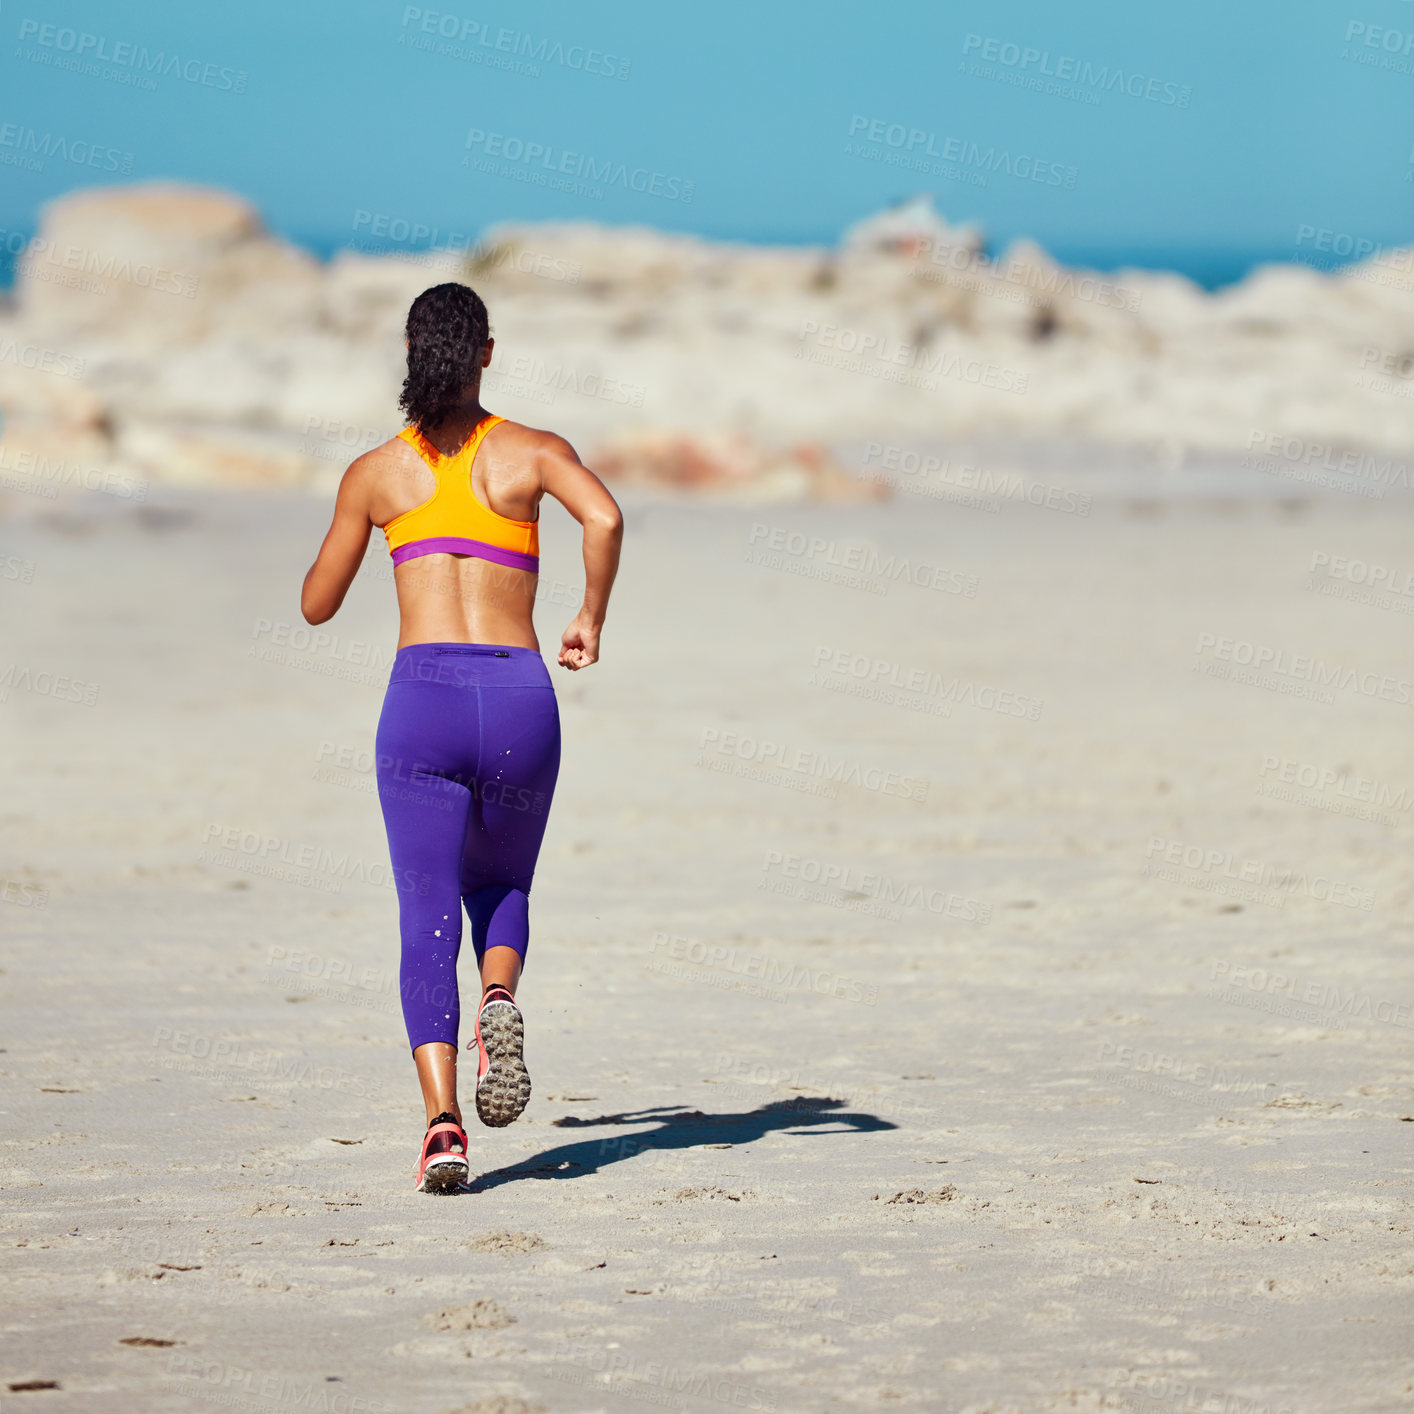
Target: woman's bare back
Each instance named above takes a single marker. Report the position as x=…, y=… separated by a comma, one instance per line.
x=456, y=598
x=446, y=598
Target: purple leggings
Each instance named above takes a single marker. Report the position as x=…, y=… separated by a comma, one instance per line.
x=468, y=750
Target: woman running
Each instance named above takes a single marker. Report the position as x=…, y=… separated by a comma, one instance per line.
x=468, y=743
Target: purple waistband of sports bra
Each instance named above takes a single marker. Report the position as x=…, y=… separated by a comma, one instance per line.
x=455, y=545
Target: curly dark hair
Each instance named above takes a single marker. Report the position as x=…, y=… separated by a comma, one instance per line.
x=447, y=329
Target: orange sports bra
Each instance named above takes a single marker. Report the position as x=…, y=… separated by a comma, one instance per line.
x=452, y=521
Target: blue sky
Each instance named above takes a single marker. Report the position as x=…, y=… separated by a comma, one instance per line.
x=1186, y=133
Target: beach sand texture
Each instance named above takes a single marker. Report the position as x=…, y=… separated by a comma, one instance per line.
x=1022, y=1024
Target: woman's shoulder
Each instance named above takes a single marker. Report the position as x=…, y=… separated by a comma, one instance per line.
x=531, y=443
x=388, y=479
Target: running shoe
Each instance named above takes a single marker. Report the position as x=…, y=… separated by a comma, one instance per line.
x=443, y=1167
x=502, y=1081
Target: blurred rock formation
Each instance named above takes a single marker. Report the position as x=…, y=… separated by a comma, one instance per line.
x=161, y=330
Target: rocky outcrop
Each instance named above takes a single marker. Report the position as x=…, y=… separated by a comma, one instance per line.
x=152, y=265
x=162, y=329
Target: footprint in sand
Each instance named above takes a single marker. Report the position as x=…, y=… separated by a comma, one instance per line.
x=916, y=1195
x=506, y=1243
x=482, y=1315
x=711, y=1190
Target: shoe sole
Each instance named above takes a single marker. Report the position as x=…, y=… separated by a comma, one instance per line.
x=504, y=1091
x=445, y=1177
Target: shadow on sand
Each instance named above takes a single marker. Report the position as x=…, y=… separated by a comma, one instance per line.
x=679, y=1129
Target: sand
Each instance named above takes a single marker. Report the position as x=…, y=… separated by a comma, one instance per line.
x=969, y=994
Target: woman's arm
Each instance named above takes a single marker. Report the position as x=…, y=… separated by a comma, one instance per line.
x=343, y=549
x=587, y=499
